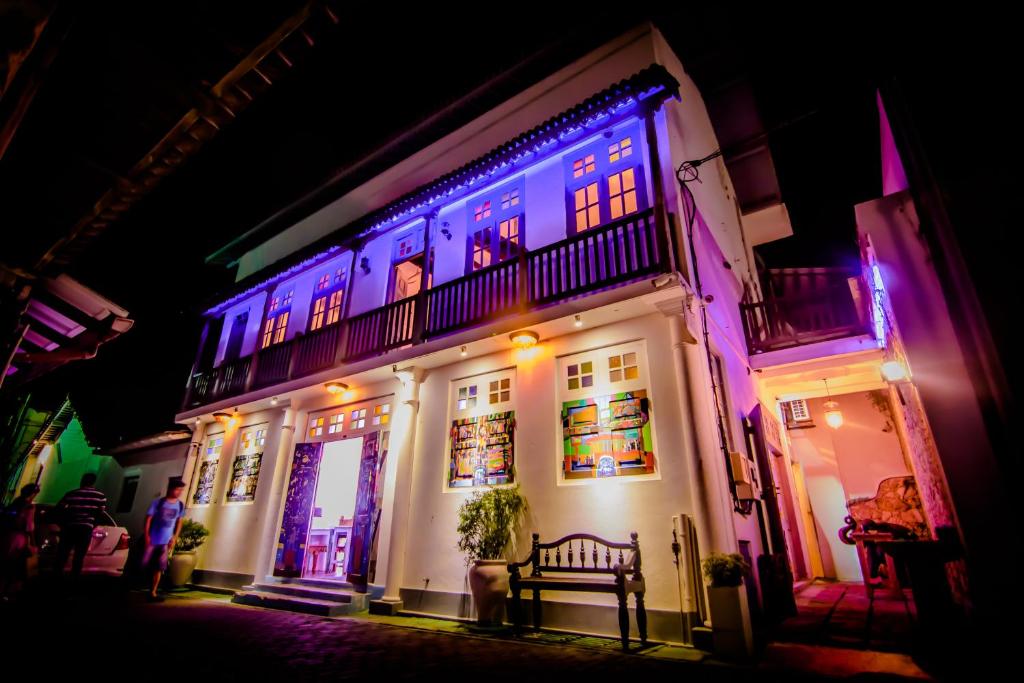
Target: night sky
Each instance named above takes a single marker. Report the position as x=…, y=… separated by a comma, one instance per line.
x=126, y=74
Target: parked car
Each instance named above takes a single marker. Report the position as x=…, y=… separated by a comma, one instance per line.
x=108, y=550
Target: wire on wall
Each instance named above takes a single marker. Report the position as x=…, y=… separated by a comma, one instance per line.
x=688, y=172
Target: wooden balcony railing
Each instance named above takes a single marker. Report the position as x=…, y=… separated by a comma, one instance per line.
x=807, y=306
x=603, y=257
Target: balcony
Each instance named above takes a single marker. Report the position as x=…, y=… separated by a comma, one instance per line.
x=806, y=306
x=598, y=259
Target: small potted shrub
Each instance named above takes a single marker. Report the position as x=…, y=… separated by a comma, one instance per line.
x=183, y=561
x=730, y=613
x=487, y=524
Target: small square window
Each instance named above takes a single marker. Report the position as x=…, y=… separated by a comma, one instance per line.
x=581, y=375
x=622, y=367
x=381, y=414
x=500, y=391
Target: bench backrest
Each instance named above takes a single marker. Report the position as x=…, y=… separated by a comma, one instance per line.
x=583, y=554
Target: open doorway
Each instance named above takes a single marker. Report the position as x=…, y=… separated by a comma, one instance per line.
x=329, y=542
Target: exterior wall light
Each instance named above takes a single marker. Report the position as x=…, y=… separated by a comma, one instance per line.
x=463, y=352
x=273, y=400
x=578, y=322
x=894, y=371
x=364, y=263
x=336, y=387
x=524, y=339
x=221, y=417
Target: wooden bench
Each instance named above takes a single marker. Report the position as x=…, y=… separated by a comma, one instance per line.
x=582, y=557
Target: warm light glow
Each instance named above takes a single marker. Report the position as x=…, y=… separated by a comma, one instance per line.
x=894, y=371
x=463, y=352
x=336, y=387
x=578, y=322
x=348, y=395
x=223, y=418
x=833, y=416
x=524, y=339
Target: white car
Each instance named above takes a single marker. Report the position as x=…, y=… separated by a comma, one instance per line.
x=108, y=550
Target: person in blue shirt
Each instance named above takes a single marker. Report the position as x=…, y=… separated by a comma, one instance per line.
x=163, y=523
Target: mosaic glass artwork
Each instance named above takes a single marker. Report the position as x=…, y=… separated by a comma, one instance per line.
x=607, y=436
x=245, y=474
x=482, y=450
x=204, y=486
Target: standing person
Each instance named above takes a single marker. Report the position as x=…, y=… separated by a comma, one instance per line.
x=18, y=545
x=163, y=523
x=77, y=512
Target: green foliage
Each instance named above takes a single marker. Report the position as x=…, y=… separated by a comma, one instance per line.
x=725, y=569
x=193, y=534
x=488, y=521
x=880, y=401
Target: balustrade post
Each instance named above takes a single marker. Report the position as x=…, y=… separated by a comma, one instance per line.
x=419, y=324
x=523, y=284
x=292, y=354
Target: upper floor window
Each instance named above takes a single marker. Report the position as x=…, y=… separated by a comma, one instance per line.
x=276, y=325
x=604, y=180
x=495, y=234
x=327, y=298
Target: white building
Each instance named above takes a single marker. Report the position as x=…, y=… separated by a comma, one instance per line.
x=332, y=381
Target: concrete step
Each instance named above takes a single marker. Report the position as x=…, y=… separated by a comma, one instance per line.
x=329, y=593
x=291, y=603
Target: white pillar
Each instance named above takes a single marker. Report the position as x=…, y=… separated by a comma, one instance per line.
x=272, y=510
x=394, y=523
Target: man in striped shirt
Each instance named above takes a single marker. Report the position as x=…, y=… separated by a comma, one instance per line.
x=77, y=512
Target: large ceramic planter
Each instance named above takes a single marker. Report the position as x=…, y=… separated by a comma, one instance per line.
x=180, y=566
x=730, y=622
x=488, y=580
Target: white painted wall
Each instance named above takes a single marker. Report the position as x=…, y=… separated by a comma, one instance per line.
x=607, y=507
x=154, y=467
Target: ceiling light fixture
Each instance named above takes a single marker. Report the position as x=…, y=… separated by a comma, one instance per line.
x=524, y=339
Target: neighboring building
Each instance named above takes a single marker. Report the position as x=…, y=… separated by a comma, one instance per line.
x=359, y=381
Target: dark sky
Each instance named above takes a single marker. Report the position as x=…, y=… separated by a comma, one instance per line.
x=126, y=74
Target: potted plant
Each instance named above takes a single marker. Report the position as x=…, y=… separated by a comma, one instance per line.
x=183, y=561
x=730, y=613
x=487, y=524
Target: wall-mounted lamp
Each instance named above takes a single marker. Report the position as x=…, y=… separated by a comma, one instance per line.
x=273, y=400
x=222, y=417
x=524, y=339
x=445, y=231
x=462, y=352
x=364, y=263
x=894, y=371
x=578, y=322
x=198, y=421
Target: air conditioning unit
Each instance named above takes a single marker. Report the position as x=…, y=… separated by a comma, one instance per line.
x=797, y=414
x=742, y=476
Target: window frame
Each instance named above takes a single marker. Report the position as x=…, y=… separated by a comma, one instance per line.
x=335, y=289
x=500, y=249
x=604, y=168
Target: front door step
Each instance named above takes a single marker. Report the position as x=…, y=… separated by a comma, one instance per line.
x=324, y=600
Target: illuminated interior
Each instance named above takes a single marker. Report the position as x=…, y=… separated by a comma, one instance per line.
x=330, y=528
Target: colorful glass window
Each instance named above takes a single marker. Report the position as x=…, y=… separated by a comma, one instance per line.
x=588, y=210
x=622, y=193
x=316, y=427
x=482, y=248
x=381, y=414
x=482, y=211
x=500, y=391
x=583, y=166
x=580, y=375
x=358, y=419
x=335, y=423
x=510, y=199
x=214, y=445
x=622, y=367
x=317, y=320
x=620, y=150
x=467, y=397
x=324, y=282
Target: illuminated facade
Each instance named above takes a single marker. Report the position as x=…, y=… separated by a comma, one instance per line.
x=630, y=413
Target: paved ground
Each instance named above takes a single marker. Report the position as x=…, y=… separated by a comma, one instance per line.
x=842, y=615
x=118, y=635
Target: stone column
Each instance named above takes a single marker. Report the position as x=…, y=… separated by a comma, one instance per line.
x=278, y=484
x=394, y=523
